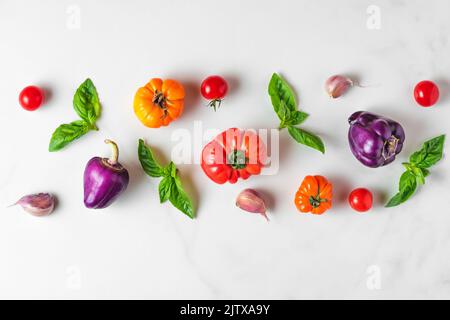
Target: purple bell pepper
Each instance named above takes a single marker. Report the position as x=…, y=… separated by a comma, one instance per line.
x=374, y=140
x=104, y=180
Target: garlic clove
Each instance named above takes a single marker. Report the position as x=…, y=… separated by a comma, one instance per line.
x=39, y=204
x=251, y=201
x=337, y=85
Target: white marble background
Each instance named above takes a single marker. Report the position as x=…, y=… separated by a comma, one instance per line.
x=140, y=249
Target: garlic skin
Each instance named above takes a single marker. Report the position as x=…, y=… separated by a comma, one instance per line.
x=251, y=201
x=337, y=85
x=38, y=205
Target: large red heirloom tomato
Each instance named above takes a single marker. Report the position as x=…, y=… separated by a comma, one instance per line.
x=233, y=154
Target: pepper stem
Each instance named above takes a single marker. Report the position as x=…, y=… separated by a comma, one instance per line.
x=390, y=146
x=115, y=152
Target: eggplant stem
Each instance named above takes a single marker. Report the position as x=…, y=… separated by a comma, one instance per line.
x=115, y=152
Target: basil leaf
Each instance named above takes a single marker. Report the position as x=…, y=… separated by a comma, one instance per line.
x=296, y=118
x=179, y=198
x=407, y=187
x=279, y=91
x=285, y=105
x=430, y=153
x=170, y=170
x=283, y=112
x=86, y=102
x=67, y=133
x=420, y=176
x=420, y=173
x=417, y=169
x=148, y=162
x=170, y=187
x=306, y=138
x=417, y=156
x=407, y=184
x=164, y=188
x=408, y=166
x=394, y=201
x=290, y=118
x=87, y=106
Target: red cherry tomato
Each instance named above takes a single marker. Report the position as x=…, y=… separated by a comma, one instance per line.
x=31, y=98
x=426, y=93
x=214, y=88
x=360, y=199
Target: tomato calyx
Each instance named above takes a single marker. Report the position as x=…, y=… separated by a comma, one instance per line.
x=215, y=103
x=314, y=195
x=160, y=100
x=316, y=201
x=232, y=155
x=214, y=89
x=237, y=159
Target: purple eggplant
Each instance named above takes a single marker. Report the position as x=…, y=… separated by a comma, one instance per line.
x=104, y=180
x=374, y=140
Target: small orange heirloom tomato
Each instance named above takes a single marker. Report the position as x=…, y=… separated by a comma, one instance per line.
x=314, y=195
x=159, y=102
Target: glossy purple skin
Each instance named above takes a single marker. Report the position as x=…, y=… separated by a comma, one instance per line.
x=103, y=183
x=374, y=140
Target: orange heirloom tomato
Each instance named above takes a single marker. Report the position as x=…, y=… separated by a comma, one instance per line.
x=314, y=195
x=159, y=102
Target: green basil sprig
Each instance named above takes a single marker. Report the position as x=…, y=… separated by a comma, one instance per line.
x=87, y=106
x=170, y=187
x=417, y=169
x=285, y=106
